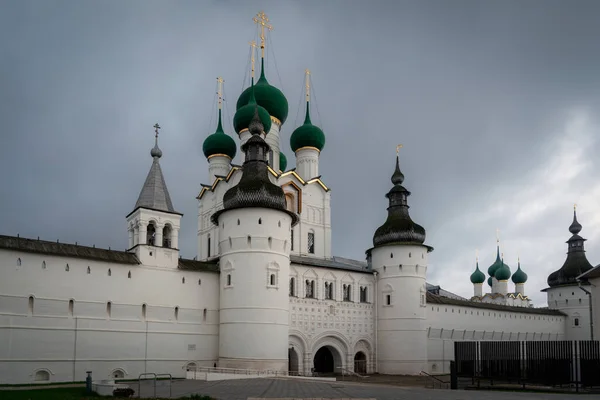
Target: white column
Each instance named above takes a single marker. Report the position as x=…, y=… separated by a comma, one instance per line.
x=478, y=289
x=520, y=288
x=307, y=162
x=142, y=233
x=502, y=287
x=175, y=238
x=218, y=164
x=131, y=234
x=158, y=237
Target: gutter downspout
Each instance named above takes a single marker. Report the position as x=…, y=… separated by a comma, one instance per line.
x=591, y=310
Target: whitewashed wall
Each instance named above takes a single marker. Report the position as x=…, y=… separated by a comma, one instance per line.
x=449, y=323
x=575, y=303
x=346, y=327
x=67, y=343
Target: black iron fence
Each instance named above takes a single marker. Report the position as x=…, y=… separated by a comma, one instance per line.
x=549, y=363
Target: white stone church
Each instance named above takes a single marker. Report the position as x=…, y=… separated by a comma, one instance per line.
x=265, y=291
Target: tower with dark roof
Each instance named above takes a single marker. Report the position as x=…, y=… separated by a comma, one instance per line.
x=564, y=293
x=254, y=238
x=153, y=225
x=399, y=259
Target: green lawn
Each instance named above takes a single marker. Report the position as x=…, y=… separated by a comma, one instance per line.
x=63, y=394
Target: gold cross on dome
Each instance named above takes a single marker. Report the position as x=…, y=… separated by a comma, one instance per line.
x=263, y=21
x=252, y=49
x=398, y=147
x=307, y=72
x=220, y=90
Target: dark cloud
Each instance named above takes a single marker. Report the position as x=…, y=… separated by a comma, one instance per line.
x=480, y=94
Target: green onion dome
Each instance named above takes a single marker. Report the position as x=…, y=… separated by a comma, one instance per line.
x=267, y=96
x=307, y=135
x=477, y=276
x=282, y=162
x=490, y=281
x=243, y=116
x=219, y=143
x=519, y=276
x=502, y=273
x=492, y=269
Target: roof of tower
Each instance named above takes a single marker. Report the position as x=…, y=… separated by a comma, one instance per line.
x=519, y=276
x=399, y=228
x=219, y=143
x=267, y=96
x=244, y=114
x=307, y=134
x=154, y=194
x=576, y=262
x=477, y=276
x=255, y=189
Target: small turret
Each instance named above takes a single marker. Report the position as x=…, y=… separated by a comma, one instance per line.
x=477, y=279
x=519, y=278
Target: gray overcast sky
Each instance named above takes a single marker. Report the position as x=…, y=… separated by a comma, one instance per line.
x=496, y=104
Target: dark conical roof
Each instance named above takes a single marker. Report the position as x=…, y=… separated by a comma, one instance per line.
x=399, y=227
x=576, y=262
x=255, y=189
x=154, y=194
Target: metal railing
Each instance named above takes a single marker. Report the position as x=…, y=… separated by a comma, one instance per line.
x=434, y=380
x=237, y=371
x=346, y=371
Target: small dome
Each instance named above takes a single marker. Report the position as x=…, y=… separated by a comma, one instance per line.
x=307, y=135
x=477, y=276
x=489, y=281
x=267, y=96
x=519, y=276
x=219, y=143
x=282, y=162
x=243, y=116
x=502, y=273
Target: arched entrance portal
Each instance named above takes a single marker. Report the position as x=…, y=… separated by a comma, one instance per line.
x=292, y=361
x=360, y=363
x=324, y=361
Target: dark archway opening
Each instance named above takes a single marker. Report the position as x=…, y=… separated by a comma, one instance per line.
x=292, y=362
x=324, y=361
x=360, y=363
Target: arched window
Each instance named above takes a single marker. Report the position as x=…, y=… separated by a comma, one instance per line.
x=576, y=322
x=260, y=221
x=292, y=239
x=89, y=271
x=183, y=280
x=43, y=264
x=42, y=376
x=228, y=279
x=151, y=233
x=292, y=286
x=176, y=313
x=329, y=290
x=208, y=245
x=30, y=308
x=71, y=307
x=144, y=312
x=289, y=202
x=19, y=262
x=109, y=272
x=272, y=280
x=167, y=236
x=67, y=268
x=388, y=299
x=310, y=289
x=347, y=292
x=108, y=309
x=311, y=243
x=129, y=275
x=204, y=314
x=199, y=281
x=363, y=294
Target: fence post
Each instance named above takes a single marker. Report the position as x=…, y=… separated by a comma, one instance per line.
x=453, y=377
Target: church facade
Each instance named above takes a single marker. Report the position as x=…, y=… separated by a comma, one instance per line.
x=265, y=291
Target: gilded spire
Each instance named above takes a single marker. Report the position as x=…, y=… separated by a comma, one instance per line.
x=262, y=20
x=252, y=59
x=220, y=82
x=307, y=73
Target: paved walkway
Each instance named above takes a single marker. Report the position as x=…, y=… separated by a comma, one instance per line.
x=295, y=389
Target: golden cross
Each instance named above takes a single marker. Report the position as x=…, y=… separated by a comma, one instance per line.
x=477, y=255
x=497, y=235
x=398, y=149
x=575, y=207
x=156, y=128
x=252, y=48
x=262, y=20
x=307, y=72
x=220, y=90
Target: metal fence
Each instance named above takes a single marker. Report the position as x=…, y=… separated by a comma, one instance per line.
x=548, y=363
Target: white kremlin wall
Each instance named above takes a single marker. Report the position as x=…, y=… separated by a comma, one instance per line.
x=66, y=339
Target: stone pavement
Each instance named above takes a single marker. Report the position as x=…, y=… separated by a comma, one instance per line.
x=295, y=389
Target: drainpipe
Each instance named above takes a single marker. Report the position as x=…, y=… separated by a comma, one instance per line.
x=591, y=310
x=376, y=305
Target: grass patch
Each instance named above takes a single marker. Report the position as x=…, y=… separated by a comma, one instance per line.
x=68, y=394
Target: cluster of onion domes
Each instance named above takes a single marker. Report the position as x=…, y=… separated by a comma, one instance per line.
x=498, y=270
